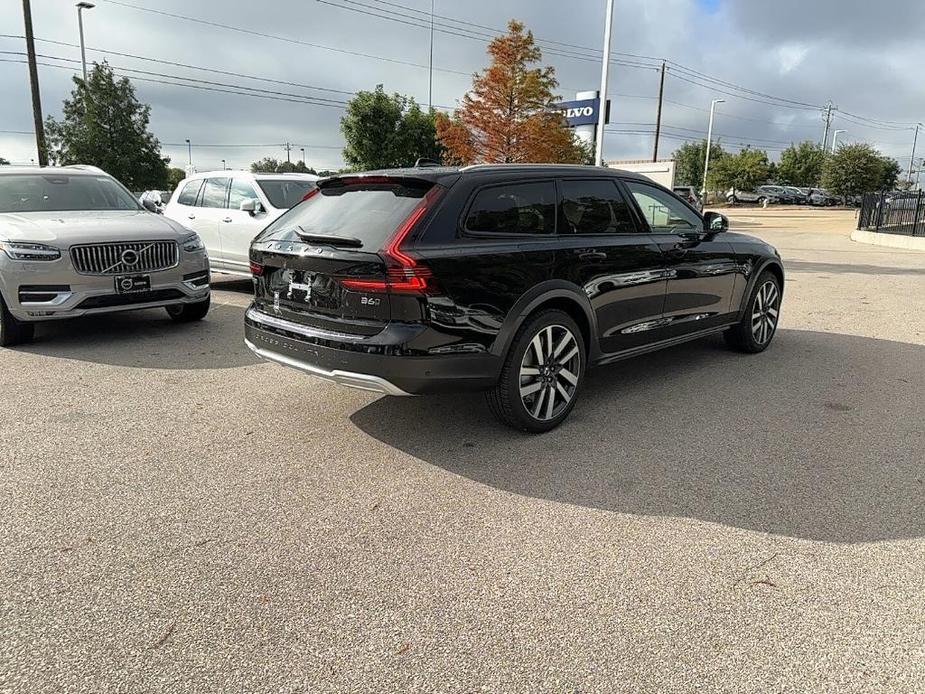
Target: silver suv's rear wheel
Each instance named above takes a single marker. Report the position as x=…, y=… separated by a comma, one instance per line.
x=542, y=373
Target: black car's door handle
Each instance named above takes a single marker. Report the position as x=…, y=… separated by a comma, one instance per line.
x=592, y=255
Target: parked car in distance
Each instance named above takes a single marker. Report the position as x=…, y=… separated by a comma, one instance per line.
x=797, y=195
x=689, y=194
x=154, y=200
x=75, y=242
x=514, y=279
x=819, y=197
x=780, y=194
x=229, y=208
x=757, y=196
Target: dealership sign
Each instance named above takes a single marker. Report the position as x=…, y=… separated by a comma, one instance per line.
x=581, y=112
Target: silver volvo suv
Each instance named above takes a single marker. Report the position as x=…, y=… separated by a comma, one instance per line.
x=74, y=241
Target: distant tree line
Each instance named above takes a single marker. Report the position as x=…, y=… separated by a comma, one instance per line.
x=853, y=169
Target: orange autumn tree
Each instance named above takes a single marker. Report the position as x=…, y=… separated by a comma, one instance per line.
x=507, y=116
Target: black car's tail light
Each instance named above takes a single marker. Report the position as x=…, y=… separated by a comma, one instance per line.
x=404, y=274
x=256, y=269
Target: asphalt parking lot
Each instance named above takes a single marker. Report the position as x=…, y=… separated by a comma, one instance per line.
x=178, y=517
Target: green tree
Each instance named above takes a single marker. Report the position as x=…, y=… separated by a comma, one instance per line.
x=271, y=165
x=743, y=171
x=384, y=131
x=889, y=173
x=689, y=162
x=104, y=125
x=801, y=165
x=858, y=168
x=3, y=161
x=265, y=165
x=174, y=176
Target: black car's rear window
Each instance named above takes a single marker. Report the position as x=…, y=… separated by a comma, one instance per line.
x=368, y=211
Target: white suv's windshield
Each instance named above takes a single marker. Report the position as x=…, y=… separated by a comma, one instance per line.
x=56, y=192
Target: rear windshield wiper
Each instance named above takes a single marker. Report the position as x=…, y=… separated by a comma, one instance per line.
x=329, y=239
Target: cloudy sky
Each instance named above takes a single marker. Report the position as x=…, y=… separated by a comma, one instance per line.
x=295, y=62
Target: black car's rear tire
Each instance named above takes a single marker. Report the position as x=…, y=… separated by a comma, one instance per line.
x=12, y=331
x=187, y=313
x=542, y=373
x=759, y=322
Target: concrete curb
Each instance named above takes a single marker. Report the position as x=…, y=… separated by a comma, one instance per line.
x=914, y=243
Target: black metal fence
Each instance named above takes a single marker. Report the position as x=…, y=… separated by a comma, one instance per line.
x=893, y=213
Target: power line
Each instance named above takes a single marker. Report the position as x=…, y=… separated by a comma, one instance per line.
x=275, y=37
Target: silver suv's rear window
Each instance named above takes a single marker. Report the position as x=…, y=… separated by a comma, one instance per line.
x=62, y=193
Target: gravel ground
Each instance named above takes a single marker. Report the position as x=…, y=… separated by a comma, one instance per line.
x=177, y=517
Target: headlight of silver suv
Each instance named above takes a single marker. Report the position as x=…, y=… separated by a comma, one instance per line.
x=29, y=251
x=192, y=243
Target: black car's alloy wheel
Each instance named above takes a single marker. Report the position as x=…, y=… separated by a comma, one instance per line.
x=753, y=333
x=542, y=373
x=765, y=310
x=549, y=372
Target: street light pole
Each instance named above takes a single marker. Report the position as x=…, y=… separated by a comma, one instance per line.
x=706, y=156
x=81, y=6
x=430, y=71
x=189, y=149
x=223, y=165
x=302, y=150
x=912, y=158
x=835, y=138
x=602, y=103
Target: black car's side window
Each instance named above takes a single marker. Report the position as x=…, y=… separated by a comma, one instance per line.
x=189, y=193
x=662, y=210
x=594, y=207
x=519, y=208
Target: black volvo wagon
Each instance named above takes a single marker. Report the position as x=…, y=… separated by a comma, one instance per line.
x=514, y=279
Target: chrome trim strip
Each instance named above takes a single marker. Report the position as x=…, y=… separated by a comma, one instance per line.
x=350, y=379
x=57, y=301
x=289, y=326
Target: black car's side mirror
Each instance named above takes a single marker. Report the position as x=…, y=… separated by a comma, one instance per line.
x=714, y=222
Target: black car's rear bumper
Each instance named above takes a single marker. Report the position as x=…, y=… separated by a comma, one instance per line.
x=383, y=363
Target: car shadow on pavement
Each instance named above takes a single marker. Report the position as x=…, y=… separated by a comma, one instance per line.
x=148, y=339
x=820, y=437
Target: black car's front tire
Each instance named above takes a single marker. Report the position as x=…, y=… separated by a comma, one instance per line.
x=12, y=331
x=542, y=373
x=187, y=313
x=754, y=332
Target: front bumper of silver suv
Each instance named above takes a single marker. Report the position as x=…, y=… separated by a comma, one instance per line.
x=40, y=290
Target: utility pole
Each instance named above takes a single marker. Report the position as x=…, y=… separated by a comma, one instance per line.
x=430, y=75
x=602, y=104
x=288, y=149
x=827, y=117
x=37, y=123
x=658, y=115
x=912, y=158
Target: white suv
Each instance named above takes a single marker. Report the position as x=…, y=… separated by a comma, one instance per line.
x=229, y=208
